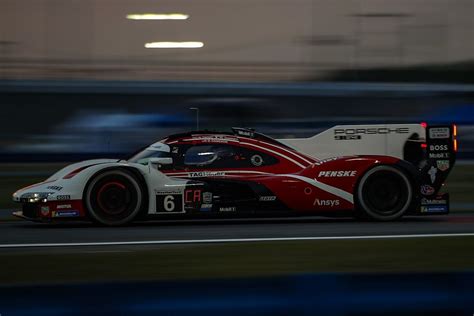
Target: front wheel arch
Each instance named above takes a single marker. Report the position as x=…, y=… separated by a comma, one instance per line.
x=136, y=175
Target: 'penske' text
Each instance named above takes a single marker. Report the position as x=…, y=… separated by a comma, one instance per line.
x=337, y=174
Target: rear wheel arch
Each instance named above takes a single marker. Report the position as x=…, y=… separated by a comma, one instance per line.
x=411, y=170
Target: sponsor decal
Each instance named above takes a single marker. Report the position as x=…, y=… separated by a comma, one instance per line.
x=337, y=174
x=256, y=160
x=167, y=192
x=267, y=198
x=207, y=197
x=432, y=173
x=347, y=137
x=206, y=207
x=63, y=206
x=356, y=133
x=434, y=209
x=442, y=165
x=55, y=187
x=438, y=147
x=427, y=190
x=438, y=155
x=439, y=132
x=192, y=196
x=201, y=174
x=213, y=138
x=319, y=163
x=330, y=203
x=228, y=209
x=63, y=197
x=246, y=133
x=66, y=213
x=425, y=201
x=44, y=210
x=175, y=150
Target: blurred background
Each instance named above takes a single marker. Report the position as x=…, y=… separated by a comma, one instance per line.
x=90, y=78
x=84, y=79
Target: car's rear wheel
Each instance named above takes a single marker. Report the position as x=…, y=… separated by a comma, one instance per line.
x=384, y=193
x=114, y=197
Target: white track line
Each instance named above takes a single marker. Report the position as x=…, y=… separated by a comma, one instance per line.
x=230, y=240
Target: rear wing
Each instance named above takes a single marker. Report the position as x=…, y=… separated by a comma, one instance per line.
x=348, y=140
x=432, y=149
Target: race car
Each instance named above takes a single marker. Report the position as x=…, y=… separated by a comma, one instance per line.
x=377, y=172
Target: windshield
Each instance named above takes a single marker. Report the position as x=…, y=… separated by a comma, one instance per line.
x=200, y=155
x=203, y=155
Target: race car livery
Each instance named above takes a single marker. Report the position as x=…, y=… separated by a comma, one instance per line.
x=378, y=172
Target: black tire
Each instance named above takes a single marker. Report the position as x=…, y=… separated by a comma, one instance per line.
x=114, y=197
x=384, y=193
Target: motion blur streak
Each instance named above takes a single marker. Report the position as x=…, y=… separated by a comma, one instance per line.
x=153, y=16
x=322, y=294
x=174, y=45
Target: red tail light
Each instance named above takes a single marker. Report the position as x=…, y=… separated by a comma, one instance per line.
x=455, y=134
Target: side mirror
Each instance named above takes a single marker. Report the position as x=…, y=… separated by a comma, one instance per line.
x=161, y=160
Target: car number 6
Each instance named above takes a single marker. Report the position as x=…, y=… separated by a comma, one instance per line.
x=168, y=203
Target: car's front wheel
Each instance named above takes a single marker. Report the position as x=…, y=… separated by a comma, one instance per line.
x=384, y=193
x=114, y=197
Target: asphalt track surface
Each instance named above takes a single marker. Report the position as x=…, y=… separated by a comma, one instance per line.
x=23, y=232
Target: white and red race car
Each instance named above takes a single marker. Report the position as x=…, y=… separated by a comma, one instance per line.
x=378, y=172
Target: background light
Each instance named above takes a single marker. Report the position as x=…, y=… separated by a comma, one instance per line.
x=174, y=45
x=154, y=16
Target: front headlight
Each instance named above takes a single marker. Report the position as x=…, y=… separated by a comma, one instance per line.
x=35, y=197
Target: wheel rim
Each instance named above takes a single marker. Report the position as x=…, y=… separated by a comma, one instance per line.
x=113, y=198
x=385, y=193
